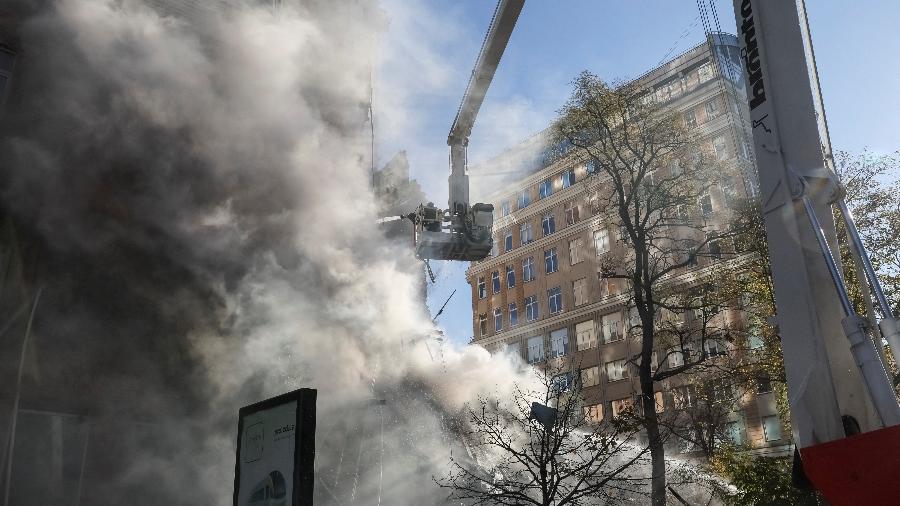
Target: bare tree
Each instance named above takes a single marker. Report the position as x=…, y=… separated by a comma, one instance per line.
x=521, y=453
x=654, y=178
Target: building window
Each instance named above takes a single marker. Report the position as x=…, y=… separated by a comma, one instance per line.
x=715, y=348
x=528, y=269
x=495, y=281
x=590, y=376
x=720, y=147
x=634, y=318
x=562, y=382
x=683, y=397
x=505, y=208
x=616, y=370
x=585, y=335
x=545, y=189
x=548, y=224
x=498, y=320
x=554, y=299
x=677, y=357
x=723, y=392
x=579, y=291
x=531, y=308
x=763, y=385
x=482, y=290
x=524, y=199
x=510, y=277
x=728, y=192
x=559, y=343
x=601, y=240
x=514, y=349
x=513, y=315
x=755, y=340
x=705, y=72
x=526, y=233
x=593, y=413
x=706, y=207
x=568, y=178
x=734, y=433
x=659, y=402
x=620, y=406
x=572, y=216
x=535, y=349
x=507, y=241
x=623, y=236
x=575, y=246
x=551, y=264
x=771, y=428
x=590, y=167
x=611, y=325
x=690, y=119
x=482, y=324
x=713, y=108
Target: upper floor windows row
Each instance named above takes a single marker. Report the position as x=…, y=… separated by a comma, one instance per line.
x=545, y=189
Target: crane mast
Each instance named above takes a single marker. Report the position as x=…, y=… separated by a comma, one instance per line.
x=844, y=413
x=468, y=236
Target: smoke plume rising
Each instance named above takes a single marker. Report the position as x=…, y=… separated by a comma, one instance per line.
x=194, y=191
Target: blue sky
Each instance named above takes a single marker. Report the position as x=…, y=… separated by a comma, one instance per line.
x=429, y=47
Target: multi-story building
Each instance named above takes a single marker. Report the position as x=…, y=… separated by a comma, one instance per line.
x=541, y=295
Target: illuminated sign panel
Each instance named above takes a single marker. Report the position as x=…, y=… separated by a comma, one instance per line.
x=276, y=451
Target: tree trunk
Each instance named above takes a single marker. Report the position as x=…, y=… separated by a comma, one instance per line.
x=657, y=451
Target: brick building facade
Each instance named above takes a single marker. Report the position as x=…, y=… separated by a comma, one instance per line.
x=541, y=295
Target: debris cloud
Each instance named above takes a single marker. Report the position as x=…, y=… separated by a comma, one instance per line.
x=193, y=187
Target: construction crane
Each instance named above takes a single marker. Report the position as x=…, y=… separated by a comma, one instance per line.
x=844, y=413
x=463, y=231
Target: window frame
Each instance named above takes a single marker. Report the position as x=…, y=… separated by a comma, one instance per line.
x=601, y=232
x=619, y=366
x=568, y=178
x=545, y=188
x=561, y=335
x=532, y=308
x=582, y=344
x=540, y=341
x=523, y=199
x=551, y=261
x=528, y=269
x=575, y=256
x=582, y=299
x=526, y=233
x=548, y=224
x=555, y=293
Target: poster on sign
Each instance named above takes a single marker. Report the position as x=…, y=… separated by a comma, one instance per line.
x=276, y=450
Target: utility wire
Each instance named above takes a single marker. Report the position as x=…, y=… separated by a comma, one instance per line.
x=441, y=310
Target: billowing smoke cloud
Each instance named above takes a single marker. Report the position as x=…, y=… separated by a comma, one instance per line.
x=195, y=193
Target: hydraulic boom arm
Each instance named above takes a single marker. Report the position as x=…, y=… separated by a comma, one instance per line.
x=837, y=383
x=469, y=235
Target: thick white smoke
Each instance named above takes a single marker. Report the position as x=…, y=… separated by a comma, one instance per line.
x=199, y=189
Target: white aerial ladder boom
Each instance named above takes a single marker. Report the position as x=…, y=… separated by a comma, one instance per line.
x=844, y=412
x=469, y=231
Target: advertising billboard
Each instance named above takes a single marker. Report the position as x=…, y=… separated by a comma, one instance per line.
x=276, y=451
